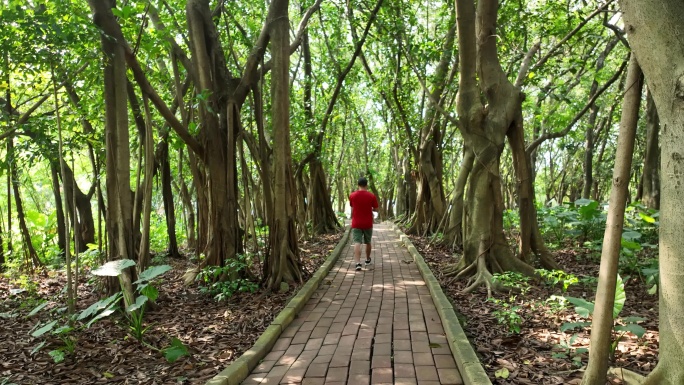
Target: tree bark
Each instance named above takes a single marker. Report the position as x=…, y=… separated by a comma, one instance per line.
x=219, y=115
x=454, y=231
x=431, y=202
x=655, y=29
x=148, y=146
x=484, y=131
x=188, y=209
x=650, y=178
x=602, y=318
x=32, y=260
x=119, y=201
x=61, y=220
x=164, y=167
x=282, y=263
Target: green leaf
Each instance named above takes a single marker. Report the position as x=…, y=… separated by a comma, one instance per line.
x=633, y=320
x=104, y=314
x=46, y=328
x=629, y=245
x=139, y=302
x=647, y=218
x=502, y=373
x=63, y=329
x=631, y=235
x=583, y=307
x=653, y=289
x=38, y=347
x=152, y=273
x=584, y=202
x=57, y=356
x=620, y=297
x=99, y=305
x=175, y=351
x=573, y=325
x=635, y=329
x=113, y=268
x=37, y=309
x=150, y=292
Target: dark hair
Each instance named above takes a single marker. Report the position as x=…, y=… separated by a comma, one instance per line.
x=363, y=182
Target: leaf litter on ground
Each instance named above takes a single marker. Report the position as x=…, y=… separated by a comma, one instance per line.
x=215, y=333
x=536, y=355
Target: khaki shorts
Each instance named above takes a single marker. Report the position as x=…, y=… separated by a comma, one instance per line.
x=362, y=235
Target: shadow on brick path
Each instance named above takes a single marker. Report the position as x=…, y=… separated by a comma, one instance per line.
x=375, y=326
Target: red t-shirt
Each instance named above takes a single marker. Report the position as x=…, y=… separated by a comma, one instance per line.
x=362, y=202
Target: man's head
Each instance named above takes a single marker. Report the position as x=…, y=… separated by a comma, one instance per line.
x=363, y=183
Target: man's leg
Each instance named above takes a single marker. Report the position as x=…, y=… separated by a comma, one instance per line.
x=368, y=234
x=357, y=238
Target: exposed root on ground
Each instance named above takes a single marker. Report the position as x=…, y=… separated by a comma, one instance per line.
x=627, y=376
x=482, y=277
x=190, y=275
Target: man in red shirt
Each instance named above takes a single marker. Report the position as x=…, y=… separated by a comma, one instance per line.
x=362, y=203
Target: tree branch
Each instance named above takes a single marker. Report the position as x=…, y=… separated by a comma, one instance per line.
x=105, y=20
x=552, y=135
x=431, y=97
x=525, y=67
x=570, y=34
x=251, y=72
x=343, y=75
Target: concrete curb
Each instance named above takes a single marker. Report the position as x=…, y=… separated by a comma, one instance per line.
x=468, y=364
x=237, y=371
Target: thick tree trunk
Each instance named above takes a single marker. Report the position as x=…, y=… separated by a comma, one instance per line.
x=602, y=318
x=531, y=240
x=323, y=217
x=484, y=131
x=119, y=200
x=454, y=231
x=282, y=264
x=650, y=179
x=431, y=202
x=220, y=118
x=655, y=29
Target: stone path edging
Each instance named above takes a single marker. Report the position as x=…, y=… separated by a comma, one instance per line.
x=468, y=364
x=239, y=369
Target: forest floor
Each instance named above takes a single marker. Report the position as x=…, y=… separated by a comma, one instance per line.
x=541, y=353
x=216, y=333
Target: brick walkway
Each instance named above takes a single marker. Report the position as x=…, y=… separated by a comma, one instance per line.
x=376, y=326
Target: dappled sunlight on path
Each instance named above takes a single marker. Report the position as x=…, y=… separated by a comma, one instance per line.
x=375, y=326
